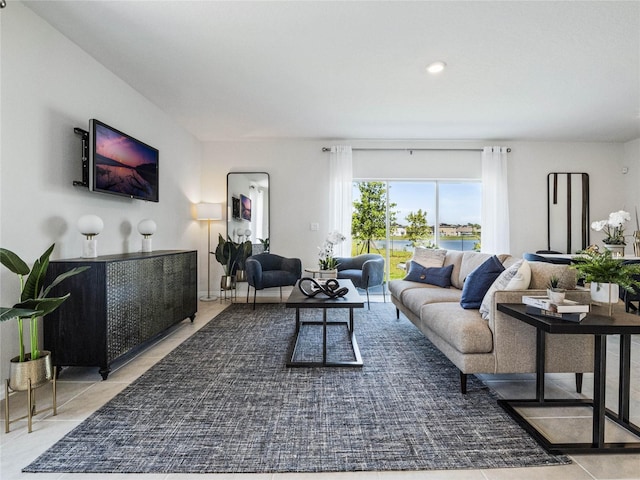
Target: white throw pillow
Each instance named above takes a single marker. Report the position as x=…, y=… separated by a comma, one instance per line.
x=429, y=257
x=516, y=277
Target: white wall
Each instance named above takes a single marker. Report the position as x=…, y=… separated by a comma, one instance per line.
x=48, y=86
x=631, y=161
x=299, y=188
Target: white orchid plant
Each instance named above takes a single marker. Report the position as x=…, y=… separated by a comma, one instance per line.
x=327, y=261
x=613, y=227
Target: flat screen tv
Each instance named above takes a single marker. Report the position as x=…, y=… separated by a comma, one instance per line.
x=245, y=207
x=120, y=164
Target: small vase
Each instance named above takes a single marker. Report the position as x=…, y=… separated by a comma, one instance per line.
x=607, y=293
x=616, y=250
x=333, y=273
x=636, y=243
x=555, y=296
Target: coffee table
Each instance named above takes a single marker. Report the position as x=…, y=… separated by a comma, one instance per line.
x=598, y=325
x=299, y=301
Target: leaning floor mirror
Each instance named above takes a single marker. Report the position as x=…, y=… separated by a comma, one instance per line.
x=248, y=209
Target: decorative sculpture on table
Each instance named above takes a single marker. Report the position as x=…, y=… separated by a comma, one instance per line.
x=331, y=288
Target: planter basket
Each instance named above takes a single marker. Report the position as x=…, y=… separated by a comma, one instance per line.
x=27, y=376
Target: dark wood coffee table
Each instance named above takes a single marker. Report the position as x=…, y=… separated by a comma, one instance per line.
x=600, y=326
x=351, y=300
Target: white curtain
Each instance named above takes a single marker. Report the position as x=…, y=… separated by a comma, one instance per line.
x=340, y=197
x=495, y=201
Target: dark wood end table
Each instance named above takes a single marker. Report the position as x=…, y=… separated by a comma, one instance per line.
x=600, y=326
x=299, y=301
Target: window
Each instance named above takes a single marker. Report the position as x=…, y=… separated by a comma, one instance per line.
x=392, y=217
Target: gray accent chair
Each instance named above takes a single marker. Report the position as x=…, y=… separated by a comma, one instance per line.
x=365, y=271
x=267, y=270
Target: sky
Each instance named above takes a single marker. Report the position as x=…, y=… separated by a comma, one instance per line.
x=460, y=202
x=116, y=146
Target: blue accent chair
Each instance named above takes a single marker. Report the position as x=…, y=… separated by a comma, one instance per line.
x=267, y=270
x=365, y=271
x=535, y=257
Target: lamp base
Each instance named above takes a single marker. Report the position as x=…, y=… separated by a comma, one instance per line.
x=146, y=245
x=208, y=298
x=89, y=248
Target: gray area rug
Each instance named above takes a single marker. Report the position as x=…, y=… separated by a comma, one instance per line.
x=224, y=401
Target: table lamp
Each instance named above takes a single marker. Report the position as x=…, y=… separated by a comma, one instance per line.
x=90, y=226
x=146, y=227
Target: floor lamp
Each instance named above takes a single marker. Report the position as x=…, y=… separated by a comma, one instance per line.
x=208, y=212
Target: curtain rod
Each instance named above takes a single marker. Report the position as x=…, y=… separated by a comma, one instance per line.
x=411, y=150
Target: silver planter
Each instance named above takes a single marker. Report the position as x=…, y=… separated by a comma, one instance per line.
x=39, y=371
x=228, y=282
x=241, y=275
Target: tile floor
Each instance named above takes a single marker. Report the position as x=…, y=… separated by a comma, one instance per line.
x=81, y=392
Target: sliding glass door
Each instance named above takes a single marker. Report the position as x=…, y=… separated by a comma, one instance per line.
x=393, y=217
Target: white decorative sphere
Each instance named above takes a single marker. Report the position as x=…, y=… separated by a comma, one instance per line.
x=147, y=227
x=90, y=225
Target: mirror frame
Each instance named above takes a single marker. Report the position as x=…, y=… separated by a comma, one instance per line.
x=235, y=219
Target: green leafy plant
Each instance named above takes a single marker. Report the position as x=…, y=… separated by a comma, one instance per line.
x=34, y=301
x=232, y=255
x=265, y=244
x=601, y=267
x=226, y=254
x=554, y=284
x=244, y=251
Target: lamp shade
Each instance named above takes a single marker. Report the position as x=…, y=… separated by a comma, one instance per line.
x=90, y=225
x=147, y=227
x=209, y=211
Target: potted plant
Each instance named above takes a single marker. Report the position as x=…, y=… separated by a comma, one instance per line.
x=327, y=262
x=613, y=228
x=227, y=255
x=244, y=251
x=34, y=302
x=554, y=292
x=606, y=274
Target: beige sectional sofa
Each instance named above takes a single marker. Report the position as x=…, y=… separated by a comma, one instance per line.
x=499, y=343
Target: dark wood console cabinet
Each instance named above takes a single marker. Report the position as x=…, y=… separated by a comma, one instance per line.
x=119, y=303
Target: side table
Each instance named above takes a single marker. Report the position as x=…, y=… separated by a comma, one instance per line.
x=599, y=326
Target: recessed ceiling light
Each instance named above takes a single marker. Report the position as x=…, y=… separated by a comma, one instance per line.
x=436, y=67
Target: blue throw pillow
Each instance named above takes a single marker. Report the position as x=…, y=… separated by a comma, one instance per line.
x=440, y=277
x=479, y=281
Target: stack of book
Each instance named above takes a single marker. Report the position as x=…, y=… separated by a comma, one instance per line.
x=567, y=310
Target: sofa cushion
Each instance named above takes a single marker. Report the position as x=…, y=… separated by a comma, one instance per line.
x=398, y=287
x=516, y=277
x=541, y=272
x=454, y=257
x=478, y=282
x=429, y=257
x=440, y=277
x=415, y=298
x=465, y=330
x=470, y=261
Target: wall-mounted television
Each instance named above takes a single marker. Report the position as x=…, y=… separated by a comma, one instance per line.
x=120, y=164
x=245, y=207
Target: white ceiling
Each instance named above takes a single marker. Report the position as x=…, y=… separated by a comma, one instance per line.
x=563, y=70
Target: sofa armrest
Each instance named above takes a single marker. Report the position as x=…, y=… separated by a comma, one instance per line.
x=514, y=341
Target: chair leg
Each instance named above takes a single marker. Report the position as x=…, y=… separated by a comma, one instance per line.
x=368, y=304
x=397, y=314
x=280, y=293
x=255, y=291
x=248, y=288
x=463, y=383
x=579, y=382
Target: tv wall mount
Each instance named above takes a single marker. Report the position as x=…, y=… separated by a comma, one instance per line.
x=85, y=158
